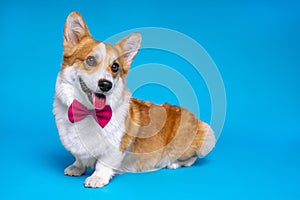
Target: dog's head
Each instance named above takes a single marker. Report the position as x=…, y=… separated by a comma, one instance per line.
x=100, y=68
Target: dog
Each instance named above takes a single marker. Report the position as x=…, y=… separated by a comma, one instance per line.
x=103, y=126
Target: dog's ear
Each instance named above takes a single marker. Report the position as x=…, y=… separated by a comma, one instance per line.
x=128, y=48
x=75, y=30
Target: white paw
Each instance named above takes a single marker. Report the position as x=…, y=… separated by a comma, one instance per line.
x=173, y=166
x=73, y=170
x=95, y=182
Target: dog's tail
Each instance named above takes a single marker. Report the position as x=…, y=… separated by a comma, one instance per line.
x=208, y=141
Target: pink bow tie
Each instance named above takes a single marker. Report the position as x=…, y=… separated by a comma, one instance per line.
x=78, y=112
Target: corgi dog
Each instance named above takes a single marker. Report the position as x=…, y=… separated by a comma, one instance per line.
x=103, y=126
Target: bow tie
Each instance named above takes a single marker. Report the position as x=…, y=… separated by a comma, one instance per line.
x=77, y=112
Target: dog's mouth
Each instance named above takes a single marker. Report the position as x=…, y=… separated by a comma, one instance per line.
x=97, y=99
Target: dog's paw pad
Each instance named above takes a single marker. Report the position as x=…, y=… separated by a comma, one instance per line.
x=95, y=182
x=72, y=170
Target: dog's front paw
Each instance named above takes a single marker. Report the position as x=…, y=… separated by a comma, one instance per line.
x=73, y=170
x=95, y=182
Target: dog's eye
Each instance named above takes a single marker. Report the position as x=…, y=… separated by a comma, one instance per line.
x=115, y=67
x=91, y=61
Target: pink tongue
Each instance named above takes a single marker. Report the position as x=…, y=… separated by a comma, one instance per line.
x=99, y=102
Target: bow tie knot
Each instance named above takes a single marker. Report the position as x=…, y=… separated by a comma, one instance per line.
x=77, y=112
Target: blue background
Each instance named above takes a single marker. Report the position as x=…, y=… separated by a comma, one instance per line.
x=256, y=46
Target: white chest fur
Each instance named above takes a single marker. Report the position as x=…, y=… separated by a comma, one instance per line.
x=86, y=139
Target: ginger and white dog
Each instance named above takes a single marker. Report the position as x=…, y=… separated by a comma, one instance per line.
x=103, y=127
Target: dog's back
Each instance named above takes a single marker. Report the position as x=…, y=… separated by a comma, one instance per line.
x=160, y=136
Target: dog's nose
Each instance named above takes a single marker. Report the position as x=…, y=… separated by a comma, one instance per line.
x=104, y=85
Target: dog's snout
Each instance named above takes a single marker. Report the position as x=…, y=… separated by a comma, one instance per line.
x=104, y=85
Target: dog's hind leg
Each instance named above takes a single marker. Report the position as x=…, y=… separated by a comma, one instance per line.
x=182, y=163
